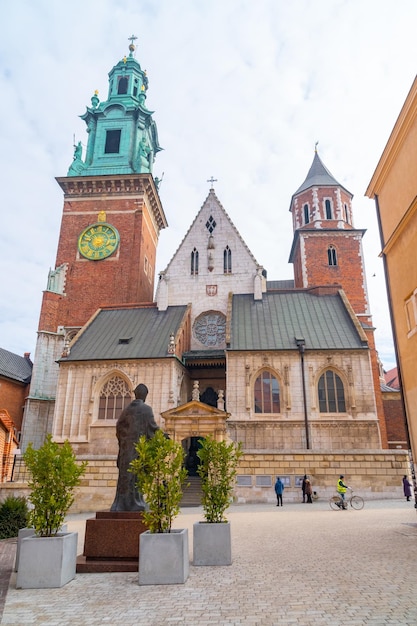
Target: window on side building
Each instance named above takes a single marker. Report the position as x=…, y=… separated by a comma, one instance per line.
x=266, y=393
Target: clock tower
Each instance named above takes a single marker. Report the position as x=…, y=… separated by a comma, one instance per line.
x=111, y=220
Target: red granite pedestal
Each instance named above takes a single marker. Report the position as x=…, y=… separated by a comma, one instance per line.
x=111, y=542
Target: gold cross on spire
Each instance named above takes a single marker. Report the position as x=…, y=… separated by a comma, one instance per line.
x=132, y=46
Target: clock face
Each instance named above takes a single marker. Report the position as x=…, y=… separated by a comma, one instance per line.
x=98, y=241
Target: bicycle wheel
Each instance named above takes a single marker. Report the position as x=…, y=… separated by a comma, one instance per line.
x=357, y=503
x=334, y=503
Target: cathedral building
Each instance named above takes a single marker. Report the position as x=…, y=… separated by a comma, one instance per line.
x=289, y=368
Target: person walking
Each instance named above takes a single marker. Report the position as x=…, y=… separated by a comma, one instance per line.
x=309, y=491
x=303, y=488
x=407, y=488
x=279, y=490
x=341, y=490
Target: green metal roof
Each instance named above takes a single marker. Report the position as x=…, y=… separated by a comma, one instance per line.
x=139, y=333
x=273, y=322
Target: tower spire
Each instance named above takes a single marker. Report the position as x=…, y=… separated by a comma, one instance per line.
x=132, y=46
x=122, y=136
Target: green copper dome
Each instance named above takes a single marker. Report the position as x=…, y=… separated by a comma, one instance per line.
x=122, y=136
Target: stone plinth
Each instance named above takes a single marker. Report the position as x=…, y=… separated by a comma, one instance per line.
x=111, y=542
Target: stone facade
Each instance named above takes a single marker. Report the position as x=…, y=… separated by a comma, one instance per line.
x=374, y=474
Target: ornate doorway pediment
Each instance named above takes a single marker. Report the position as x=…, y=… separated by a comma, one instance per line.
x=195, y=419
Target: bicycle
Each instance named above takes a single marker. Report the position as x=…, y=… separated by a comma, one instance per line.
x=337, y=502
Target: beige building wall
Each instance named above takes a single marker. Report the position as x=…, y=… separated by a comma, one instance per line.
x=353, y=367
x=78, y=396
x=394, y=187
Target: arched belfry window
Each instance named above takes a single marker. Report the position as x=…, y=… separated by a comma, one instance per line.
x=227, y=260
x=114, y=396
x=194, y=262
x=306, y=214
x=328, y=207
x=122, y=85
x=346, y=213
x=332, y=255
x=331, y=393
x=266, y=393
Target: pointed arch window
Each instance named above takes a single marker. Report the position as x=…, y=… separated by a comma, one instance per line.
x=328, y=208
x=194, y=262
x=266, y=393
x=346, y=213
x=227, y=260
x=306, y=214
x=114, y=397
x=331, y=393
x=332, y=255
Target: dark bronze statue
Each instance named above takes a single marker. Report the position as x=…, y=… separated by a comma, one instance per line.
x=135, y=420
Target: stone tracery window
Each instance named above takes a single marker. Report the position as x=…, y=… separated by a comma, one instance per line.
x=331, y=393
x=194, y=262
x=331, y=255
x=114, y=396
x=227, y=260
x=210, y=329
x=266, y=393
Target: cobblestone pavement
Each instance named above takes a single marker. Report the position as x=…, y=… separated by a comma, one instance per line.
x=296, y=565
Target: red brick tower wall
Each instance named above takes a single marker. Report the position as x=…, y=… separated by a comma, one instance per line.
x=311, y=266
x=125, y=277
x=313, y=238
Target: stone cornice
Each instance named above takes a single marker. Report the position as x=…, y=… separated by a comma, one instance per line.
x=112, y=185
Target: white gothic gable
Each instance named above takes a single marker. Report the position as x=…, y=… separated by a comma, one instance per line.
x=211, y=262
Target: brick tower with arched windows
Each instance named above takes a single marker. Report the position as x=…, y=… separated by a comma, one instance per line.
x=327, y=251
x=327, y=248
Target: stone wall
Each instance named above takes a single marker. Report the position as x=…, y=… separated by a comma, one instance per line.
x=372, y=474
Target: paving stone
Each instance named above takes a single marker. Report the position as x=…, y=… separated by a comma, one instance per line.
x=296, y=567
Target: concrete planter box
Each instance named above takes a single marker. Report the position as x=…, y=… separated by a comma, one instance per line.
x=212, y=544
x=163, y=558
x=47, y=562
x=28, y=532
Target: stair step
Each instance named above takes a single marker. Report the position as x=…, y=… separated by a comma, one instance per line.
x=192, y=494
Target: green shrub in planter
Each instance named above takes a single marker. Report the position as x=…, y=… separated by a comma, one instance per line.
x=13, y=516
x=160, y=476
x=217, y=470
x=54, y=475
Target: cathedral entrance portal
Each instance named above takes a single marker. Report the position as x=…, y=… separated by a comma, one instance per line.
x=192, y=421
x=192, y=461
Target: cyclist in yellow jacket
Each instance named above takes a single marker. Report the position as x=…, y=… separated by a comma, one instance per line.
x=341, y=490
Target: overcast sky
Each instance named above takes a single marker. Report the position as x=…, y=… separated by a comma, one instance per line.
x=241, y=90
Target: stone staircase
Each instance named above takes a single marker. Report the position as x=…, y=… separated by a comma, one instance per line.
x=192, y=494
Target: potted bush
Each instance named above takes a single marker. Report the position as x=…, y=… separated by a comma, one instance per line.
x=217, y=470
x=48, y=558
x=160, y=474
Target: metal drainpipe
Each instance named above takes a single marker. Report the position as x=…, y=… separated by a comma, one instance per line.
x=394, y=336
x=301, y=348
